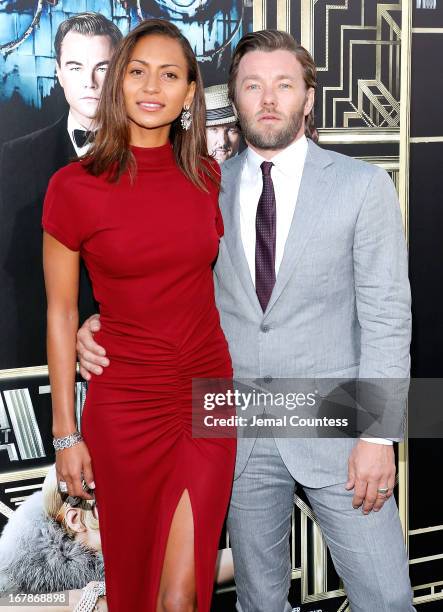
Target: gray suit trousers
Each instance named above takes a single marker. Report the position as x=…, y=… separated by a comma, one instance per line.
x=367, y=550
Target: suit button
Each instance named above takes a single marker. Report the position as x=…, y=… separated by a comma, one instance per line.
x=268, y=379
x=265, y=328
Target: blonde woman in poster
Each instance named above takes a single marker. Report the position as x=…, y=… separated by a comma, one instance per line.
x=50, y=550
x=142, y=211
x=51, y=546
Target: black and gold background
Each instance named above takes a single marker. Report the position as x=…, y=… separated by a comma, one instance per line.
x=380, y=99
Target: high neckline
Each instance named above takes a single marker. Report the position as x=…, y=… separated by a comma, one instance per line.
x=153, y=157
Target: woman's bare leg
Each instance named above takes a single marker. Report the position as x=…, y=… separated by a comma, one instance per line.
x=177, y=591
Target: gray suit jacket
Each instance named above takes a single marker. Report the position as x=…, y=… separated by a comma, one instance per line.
x=341, y=303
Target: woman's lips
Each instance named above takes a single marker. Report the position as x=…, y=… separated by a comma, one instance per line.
x=150, y=106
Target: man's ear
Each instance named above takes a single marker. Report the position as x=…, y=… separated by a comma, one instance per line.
x=310, y=99
x=58, y=73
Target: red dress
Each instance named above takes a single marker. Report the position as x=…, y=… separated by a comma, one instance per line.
x=148, y=248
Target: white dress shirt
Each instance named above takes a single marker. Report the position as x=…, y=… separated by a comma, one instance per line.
x=286, y=176
x=73, y=124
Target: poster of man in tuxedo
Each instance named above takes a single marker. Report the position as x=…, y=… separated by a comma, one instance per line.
x=53, y=68
x=83, y=46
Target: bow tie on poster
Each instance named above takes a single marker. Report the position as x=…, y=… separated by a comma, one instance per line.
x=83, y=137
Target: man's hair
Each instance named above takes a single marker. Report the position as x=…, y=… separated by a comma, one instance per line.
x=88, y=24
x=276, y=40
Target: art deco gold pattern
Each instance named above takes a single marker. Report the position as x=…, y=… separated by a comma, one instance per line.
x=359, y=102
x=363, y=50
x=15, y=487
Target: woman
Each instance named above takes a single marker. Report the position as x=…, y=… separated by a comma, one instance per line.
x=142, y=211
x=50, y=543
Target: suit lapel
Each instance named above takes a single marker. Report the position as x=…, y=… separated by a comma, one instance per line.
x=230, y=207
x=66, y=151
x=54, y=151
x=315, y=187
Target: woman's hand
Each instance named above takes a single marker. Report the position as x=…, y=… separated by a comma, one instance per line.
x=71, y=463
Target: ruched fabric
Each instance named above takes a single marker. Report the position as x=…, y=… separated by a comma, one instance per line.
x=149, y=247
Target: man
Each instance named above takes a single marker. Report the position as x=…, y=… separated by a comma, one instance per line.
x=222, y=133
x=311, y=281
x=83, y=45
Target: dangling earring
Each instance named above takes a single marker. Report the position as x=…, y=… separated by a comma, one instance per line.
x=186, y=118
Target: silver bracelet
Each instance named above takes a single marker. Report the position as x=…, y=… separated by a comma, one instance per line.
x=67, y=441
x=91, y=593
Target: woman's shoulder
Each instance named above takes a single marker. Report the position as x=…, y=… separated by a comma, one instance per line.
x=74, y=178
x=72, y=170
x=74, y=205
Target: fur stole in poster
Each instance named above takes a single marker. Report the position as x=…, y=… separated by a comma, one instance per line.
x=37, y=556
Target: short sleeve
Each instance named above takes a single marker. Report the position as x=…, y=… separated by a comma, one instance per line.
x=64, y=210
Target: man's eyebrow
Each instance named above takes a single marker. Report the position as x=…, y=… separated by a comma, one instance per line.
x=103, y=63
x=73, y=62
x=258, y=77
x=147, y=63
x=255, y=77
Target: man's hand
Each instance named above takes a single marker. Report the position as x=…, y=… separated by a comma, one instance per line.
x=371, y=467
x=91, y=355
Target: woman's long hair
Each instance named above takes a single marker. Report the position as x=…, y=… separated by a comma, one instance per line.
x=110, y=152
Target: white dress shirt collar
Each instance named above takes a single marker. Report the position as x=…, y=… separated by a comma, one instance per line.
x=285, y=160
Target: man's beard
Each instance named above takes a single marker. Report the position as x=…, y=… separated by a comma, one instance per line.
x=272, y=138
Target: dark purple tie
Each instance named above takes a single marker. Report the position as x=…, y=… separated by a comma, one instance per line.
x=265, y=238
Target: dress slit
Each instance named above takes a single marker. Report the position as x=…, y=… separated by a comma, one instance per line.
x=202, y=591
x=149, y=245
